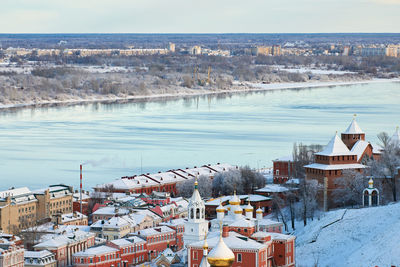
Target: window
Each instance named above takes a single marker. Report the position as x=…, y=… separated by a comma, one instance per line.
x=239, y=257
x=195, y=255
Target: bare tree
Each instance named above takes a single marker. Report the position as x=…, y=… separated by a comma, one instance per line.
x=308, y=192
x=349, y=188
x=386, y=166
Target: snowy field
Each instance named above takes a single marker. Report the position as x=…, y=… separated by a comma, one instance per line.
x=364, y=237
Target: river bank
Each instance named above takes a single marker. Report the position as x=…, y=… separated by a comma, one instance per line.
x=236, y=87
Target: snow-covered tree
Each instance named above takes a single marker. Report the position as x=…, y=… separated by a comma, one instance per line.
x=185, y=189
x=386, y=167
x=349, y=188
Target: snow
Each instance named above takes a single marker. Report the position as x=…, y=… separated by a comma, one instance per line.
x=353, y=128
x=273, y=188
x=359, y=148
x=364, y=237
x=233, y=241
x=317, y=71
x=15, y=192
x=285, y=158
x=335, y=147
x=335, y=166
x=95, y=251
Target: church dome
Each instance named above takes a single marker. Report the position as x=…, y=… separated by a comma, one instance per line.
x=221, y=255
x=259, y=210
x=249, y=208
x=220, y=208
x=234, y=200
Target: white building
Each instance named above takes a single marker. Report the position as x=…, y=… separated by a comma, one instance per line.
x=196, y=227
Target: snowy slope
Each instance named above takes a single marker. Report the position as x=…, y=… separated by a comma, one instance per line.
x=364, y=237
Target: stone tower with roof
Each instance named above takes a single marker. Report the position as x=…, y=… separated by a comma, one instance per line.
x=196, y=227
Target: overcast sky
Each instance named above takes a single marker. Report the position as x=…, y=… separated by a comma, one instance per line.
x=201, y=16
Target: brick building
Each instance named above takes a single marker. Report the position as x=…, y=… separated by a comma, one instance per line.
x=283, y=169
x=162, y=181
x=350, y=152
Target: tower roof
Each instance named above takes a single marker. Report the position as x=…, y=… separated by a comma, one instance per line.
x=353, y=128
x=196, y=198
x=335, y=147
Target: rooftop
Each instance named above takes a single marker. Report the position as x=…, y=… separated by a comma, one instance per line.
x=335, y=147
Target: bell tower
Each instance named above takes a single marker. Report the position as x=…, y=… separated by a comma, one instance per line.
x=196, y=227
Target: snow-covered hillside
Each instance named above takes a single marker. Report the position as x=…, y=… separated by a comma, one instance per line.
x=364, y=237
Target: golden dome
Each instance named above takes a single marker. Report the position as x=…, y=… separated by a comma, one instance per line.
x=221, y=255
x=259, y=210
x=238, y=211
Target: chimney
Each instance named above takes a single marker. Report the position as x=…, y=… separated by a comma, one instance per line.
x=225, y=231
x=80, y=194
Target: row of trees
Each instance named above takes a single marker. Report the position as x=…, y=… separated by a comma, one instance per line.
x=243, y=180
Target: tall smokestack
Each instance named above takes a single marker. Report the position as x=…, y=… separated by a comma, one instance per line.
x=80, y=191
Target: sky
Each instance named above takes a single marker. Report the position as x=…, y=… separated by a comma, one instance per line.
x=201, y=16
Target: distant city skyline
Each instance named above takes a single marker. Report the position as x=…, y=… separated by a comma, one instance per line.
x=182, y=16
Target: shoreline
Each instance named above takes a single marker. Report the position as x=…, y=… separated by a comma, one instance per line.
x=247, y=87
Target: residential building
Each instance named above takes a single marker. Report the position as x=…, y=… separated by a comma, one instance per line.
x=11, y=255
x=42, y=258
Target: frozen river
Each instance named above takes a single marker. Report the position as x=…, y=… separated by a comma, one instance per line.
x=45, y=146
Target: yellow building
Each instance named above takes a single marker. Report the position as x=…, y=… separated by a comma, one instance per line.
x=21, y=208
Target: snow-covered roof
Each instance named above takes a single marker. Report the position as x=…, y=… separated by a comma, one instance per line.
x=95, y=251
x=15, y=192
x=171, y=176
x=335, y=166
x=37, y=254
x=243, y=222
x=122, y=242
x=353, y=128
x=175, y=222
x=116, y=222
x=111, y=211
x=154, y=231
x=293, y=181
x=68, y=217
x=359, y=148
x=279, y=236
x=135, y=239
x=253, y=198
x=273, y=188
x=335, y=147
x=285, y=158
x=269, y=222
x=233, y=241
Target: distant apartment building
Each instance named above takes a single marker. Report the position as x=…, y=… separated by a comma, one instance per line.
x=276, y=50
x=195, y=50
x=22, y=208
x=171, y=47
x=261, y=50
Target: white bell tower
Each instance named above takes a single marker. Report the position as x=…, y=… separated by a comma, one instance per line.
x=196, y=227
